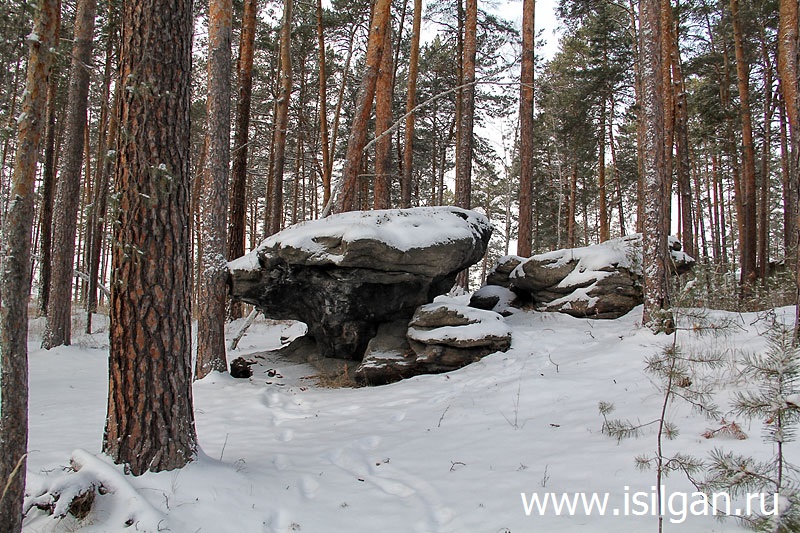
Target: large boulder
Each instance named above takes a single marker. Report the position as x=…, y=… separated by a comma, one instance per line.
x=347, y=274
x=441, y=336
x=599, y=281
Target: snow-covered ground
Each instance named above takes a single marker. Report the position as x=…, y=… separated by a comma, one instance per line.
x=439, y=453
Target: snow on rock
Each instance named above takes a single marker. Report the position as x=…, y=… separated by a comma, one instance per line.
x=400, y=235
x=441, y=337
x=598, y=281
x=347, y=274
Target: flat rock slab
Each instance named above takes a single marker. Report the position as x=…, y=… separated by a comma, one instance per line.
x=347, y=274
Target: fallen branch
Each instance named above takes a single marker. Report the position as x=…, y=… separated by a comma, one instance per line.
x=247, y=323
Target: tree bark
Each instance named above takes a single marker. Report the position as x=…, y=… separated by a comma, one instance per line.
x=383, y=121
x=65, y=208
x=363, y=106
x=238, y=195
x=526, y=148
x=150, y=421
x=47, y=189
x=682, y=143
x=323, y=109
x=605, y=230
x=15, y=271
x=411, y=103
x=281, y=121
x=463, y=185
x=656, y=296
x=749, y=234
x=213, y=202
x=108, y=138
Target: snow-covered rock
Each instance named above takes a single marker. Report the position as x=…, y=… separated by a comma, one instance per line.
x=440, y=337
x=347, y=274
x=598, y=281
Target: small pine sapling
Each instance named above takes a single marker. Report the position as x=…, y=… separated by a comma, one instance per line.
x=678, y=376
x=775, y=399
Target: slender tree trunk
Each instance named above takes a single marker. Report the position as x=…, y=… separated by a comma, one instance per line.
x=65, y=215
x=605, y=230
x=411, y=103
x=213, y=202
x=366, y=94
x=656, y=296
x=48, y=185
x=108, y=136
x=238, y=194
x=789, y=74
x=766, y=155
x=323, y=110
x=572, y=206
x=150, y=420
x=789, y=191
x=15, y=273
x=614, y=169
x=749, y=234
x=640, y=122
x=526, y=148
x=383, y=121
x=682, y=143
x=281, y=121
x=463, y=185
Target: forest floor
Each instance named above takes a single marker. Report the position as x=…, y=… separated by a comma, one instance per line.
x=459, y=452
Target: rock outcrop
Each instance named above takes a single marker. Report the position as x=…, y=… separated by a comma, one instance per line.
x=440, y=337
x=600, y=281
x=347, y=274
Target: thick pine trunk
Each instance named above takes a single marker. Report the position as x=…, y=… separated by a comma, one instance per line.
x=526, y=148
x=654, y=242
x=15, y=271
x=150, y=421
x=213, y=202
x=383, y=121
x=65, y=208
x=463, y=185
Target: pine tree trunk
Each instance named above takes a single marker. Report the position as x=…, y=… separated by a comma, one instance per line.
x=238, y=194
x=323, y=109
x=463, y=185
x=281, y=121
x=411, y=102
x=383, y=121
x=656, y=297
x=213, y=202
x=766, y=155
x=15, y=271
x=682, y=144
x=605, y=231
x=107, y=138
x=65, y=208
x=526, y=148
x=748, y=235
x=48, y=185
x=366, y=94
x=150, y=420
